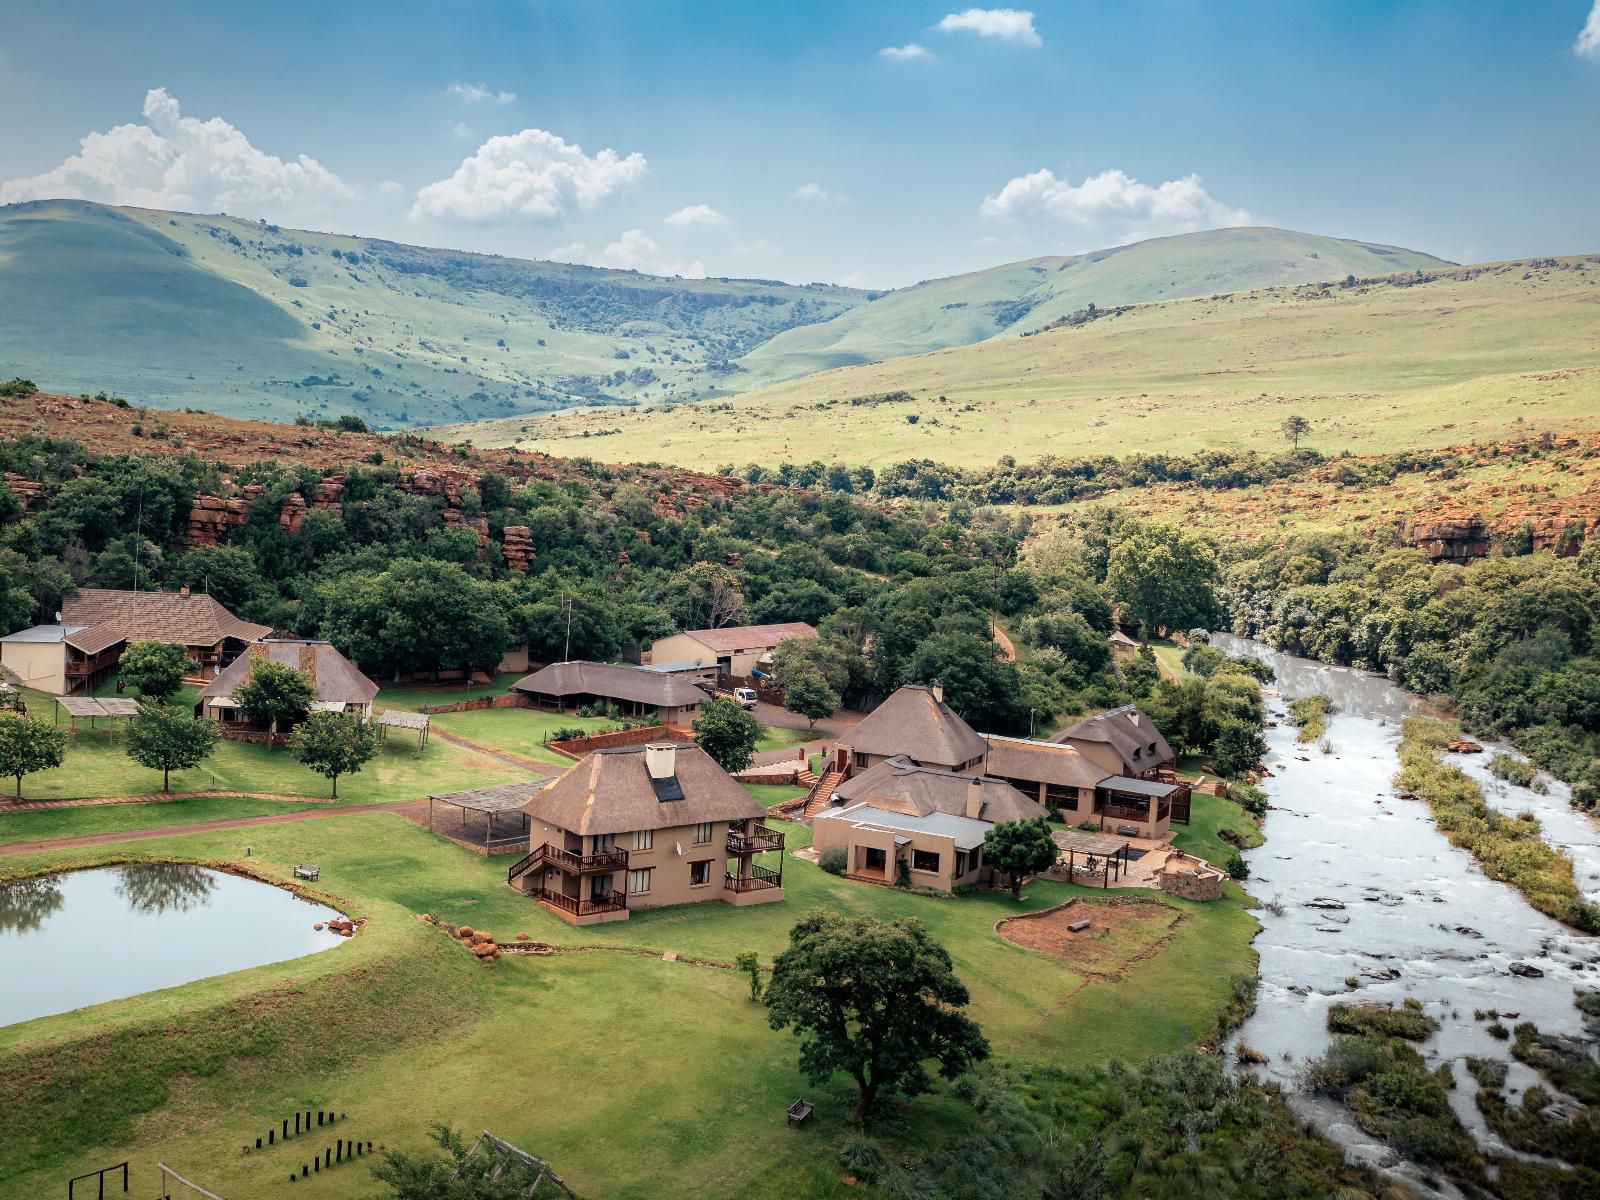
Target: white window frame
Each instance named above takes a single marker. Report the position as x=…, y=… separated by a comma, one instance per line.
x=703, y=862
x=644, y=839
x=636, y=875
x=710, y=828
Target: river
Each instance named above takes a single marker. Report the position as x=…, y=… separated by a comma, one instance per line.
x=1370, y=890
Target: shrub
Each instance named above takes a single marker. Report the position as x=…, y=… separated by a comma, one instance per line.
x=834, y=860
x=1236, y=865
x=1248, y=797
x=863, y=1158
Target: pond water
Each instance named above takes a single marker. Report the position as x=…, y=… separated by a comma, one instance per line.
x=84, y=937
x=1370, y=889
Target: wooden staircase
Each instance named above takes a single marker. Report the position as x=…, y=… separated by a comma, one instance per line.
x=821, y=793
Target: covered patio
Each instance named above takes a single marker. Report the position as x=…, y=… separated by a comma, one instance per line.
x=488, y=820
x=413, y=722
x=1092, y=855
x=76, y=707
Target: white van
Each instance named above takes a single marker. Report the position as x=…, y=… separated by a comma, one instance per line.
x=745, y=697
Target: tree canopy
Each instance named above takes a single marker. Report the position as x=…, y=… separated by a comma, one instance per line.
x=875, y=999
x=333, y=744
x=156, y=669
x=28, y=745
x=275, y=694
x=167, y=738
x=1018, y=849
x=727, y=733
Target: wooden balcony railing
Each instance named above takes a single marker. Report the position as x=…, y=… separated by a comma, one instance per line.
x=759, y=879
x=610, y=902
x=565, y=860
x=757, y=840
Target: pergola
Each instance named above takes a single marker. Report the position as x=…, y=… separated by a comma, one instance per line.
x=490, y=818
x=394, y=718
x=1105, y=856
x=90, y=707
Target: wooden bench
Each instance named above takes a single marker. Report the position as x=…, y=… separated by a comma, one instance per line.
x=308, y=871
x=798, y=1112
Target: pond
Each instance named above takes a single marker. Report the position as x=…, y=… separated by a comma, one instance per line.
x=84, y=937
x=1362, y=886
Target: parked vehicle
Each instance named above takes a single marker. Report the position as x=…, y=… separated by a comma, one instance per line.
x=745, y=698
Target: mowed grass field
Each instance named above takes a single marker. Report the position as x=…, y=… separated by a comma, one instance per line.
x=1512, y=349
x=635, y=1076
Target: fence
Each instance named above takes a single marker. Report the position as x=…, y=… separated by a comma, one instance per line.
x=508, y=700
x=577, y=747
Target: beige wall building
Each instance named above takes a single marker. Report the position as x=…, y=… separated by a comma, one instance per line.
x=644, y=827
x=916, y=723
x=897, y=819
x=734, y=650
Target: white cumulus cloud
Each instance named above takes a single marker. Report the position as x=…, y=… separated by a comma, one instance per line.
x=1588, y=43
x=695, y=214
x=634, y=250
x=535, y=175
x=910, y=52
x=182, y=162
x=1007, y=24
x=818, y=194
x=478, y=93
x=1115, y=204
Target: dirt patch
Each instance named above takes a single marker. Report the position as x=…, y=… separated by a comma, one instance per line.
x=1122, y=931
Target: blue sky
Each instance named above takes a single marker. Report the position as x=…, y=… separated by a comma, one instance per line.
x=778, y=140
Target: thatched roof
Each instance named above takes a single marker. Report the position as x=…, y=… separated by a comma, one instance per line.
x=192, y=620
x=337, y=680
x=612, y=681
x=611, y=791
x=916, y=723
x=1129, y=732
x=1041, y=762
x=899, y=785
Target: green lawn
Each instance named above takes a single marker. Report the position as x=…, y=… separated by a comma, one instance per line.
x=394, y=696
x=97, y=765
x=636, y=1077
x=774, y=737
x=518, y=730
x=1210, y=814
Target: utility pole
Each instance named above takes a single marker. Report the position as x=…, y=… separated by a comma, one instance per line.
x=567, y=654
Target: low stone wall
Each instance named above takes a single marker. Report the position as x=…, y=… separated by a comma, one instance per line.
x=1190, y=878
x=508, y=700
x=577, y=747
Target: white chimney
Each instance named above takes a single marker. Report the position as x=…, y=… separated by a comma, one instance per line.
x=938, y=691
x=975, y=798
x=661, y=759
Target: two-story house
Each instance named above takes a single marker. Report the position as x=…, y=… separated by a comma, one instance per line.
x=643, y=827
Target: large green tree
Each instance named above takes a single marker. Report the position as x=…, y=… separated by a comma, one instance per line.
x=809, y=696
x=1018, y=849
x=276, y=694
x=877, y=1000
x=155, y=668
x=417, y=615
x=333, y=744
x=727, y=733
x=28, y=745
x=1164, y=578
x=167, y=738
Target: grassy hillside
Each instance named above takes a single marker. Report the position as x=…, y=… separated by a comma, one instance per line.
x=253, y=320
x=1019, y=297
x=1467, y=355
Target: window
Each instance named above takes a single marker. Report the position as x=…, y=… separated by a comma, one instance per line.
x=702, y=833
x=700, y=873
x=600, y=886
x=925, y=860
x=644, y=839
x=639, y=881
x=861, y=759
x=1061, y=797
x=603, y=843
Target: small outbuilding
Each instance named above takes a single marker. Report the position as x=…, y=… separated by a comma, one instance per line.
x=636, y=691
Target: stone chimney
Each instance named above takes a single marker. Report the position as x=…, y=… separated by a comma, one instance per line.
x=308, y=663
x=938, y=691
x=183, y=592
x=661, y=759
x=255, y=652
x=975, y=798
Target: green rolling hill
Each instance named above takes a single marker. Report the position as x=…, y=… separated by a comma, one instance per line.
x=1020, y=297
x=252, y=320
x=248, y=319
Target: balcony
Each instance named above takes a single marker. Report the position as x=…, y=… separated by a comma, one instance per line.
x=759, y=880
x=756, y=840
x=609, y=903
x=546, y=855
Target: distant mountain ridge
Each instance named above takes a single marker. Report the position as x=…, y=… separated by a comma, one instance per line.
x=250, y=319
x=1023, y=296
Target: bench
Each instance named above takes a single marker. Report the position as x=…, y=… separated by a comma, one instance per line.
x=798, y=1112
x=308, y=871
